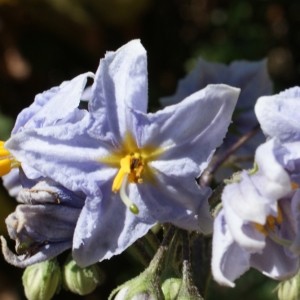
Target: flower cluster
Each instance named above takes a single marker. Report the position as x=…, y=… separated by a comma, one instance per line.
x=96, y=180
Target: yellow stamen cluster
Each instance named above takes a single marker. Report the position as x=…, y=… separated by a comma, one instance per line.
x=270, y=223
x=133, y=166
x=7, y=161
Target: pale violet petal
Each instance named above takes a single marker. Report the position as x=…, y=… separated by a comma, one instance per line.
x=27, y=113
x=229, y=261
x=106, y=227
x=245, y=200
x=254, y=81
x=236, y=225
x=295, y=208
x=274, y=262
x=12, y=183
x=251, y=77
x=121, y=81
x=76, y=156
x=62, y=104
x=179, y=201
x=279, y=115
x=277, y=182
x=203, y=74
x=209, y=110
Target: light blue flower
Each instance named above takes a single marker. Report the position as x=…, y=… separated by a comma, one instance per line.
x=43, y=226
x=253, y=80
x=258, y=225
x=118, y=152
x=251, y=77
x=54, y=107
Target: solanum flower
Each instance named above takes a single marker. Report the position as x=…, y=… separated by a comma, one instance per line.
x=118, y=154
x=57, y=106
x=258, y=224
x=251, y=77
x=253, y=80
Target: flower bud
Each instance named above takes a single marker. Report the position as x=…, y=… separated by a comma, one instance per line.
x=146, y=286
x=289, y=289
x=171, y=287
x=122, y=295
x=42, y=280
x=81, y=281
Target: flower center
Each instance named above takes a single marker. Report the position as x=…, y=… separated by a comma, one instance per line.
x=132, y=167
x=268, y=229
x=7, y=161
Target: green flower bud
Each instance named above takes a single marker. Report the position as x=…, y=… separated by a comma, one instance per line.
x=41, y=281
x=144, y=287
x=289, y=289
x=81, y=281
x=171, y=287
x=187, y=289
x=122, y=295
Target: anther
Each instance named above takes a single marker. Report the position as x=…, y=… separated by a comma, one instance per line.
x=7, y=161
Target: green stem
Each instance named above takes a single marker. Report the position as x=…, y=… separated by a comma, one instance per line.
x=152, y=240
x=158, y=258
x=139, y=252
x=188, y=287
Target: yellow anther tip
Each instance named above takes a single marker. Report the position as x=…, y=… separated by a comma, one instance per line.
x=279, y=218
x=260, y=228
x=5, y=166
x=294, y=185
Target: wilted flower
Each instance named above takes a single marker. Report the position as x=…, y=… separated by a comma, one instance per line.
x=44, y=225
x=119, y=152
x=257, y=226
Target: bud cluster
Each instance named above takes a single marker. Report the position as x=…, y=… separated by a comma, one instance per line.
x=42, y=280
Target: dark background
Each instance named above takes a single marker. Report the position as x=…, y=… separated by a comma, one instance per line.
x=44, y=42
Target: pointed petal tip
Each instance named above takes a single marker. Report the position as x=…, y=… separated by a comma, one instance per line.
x=224, y=88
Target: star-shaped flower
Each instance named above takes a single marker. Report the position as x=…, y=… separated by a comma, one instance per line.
x=251, y=77
x=118, y=153
x=253, y=80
